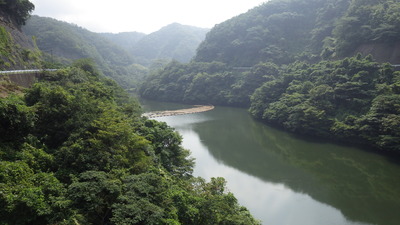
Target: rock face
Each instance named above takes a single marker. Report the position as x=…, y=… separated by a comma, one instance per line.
x=382, y=52
x=17, y=51
x=11, y=26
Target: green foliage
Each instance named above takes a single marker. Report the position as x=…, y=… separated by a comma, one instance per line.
x=16, y=119
x=12, y=55
x=5, y=42
x=210, y=204
x=30, y=198
x=140, y=201
x=19, y=9
x=63, y=42
x=123, y=57
x=75, y=150
x=167, y=147
x=366, y=22
x=270, y=59
x=277, y=31
x=354, y=97
x=206, y=83
x=284, y=31
x=93, y=193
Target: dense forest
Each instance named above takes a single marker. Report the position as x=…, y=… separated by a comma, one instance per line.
x=283, y=31
x=75, y=150
x=297, y=64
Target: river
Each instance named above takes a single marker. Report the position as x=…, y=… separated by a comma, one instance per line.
x=286, y=180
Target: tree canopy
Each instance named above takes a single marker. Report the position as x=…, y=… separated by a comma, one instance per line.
x=20, y=10
x=75, y=150
x=283, y=31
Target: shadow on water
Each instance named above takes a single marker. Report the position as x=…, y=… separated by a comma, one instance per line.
x=363, y=185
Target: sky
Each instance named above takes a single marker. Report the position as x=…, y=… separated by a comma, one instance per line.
x=144, y=16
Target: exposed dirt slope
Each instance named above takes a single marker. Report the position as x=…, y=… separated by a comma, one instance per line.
x=382, y=52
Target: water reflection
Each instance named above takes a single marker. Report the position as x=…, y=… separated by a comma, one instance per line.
x=286, y=180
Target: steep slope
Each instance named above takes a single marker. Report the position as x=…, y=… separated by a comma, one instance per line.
x=282, y=31
x=174, y=41
x=119, y=56
x=70, y=42
x=17, y=51
x=277, y=31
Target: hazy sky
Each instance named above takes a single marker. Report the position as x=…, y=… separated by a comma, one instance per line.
x=141, y=15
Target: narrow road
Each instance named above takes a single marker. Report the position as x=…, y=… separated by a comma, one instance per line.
x=196, y=109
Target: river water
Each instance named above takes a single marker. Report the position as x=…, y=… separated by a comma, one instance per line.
x=286, y=180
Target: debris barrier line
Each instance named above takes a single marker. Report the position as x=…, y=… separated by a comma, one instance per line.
x=196, y=109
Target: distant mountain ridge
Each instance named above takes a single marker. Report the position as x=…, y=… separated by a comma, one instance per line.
x=172, y=42
x=122, y=56
x=66, y=42
x=125, y=40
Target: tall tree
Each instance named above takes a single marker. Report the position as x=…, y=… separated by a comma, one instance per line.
x=20, y=10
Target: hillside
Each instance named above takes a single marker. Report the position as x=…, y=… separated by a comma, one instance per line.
x=175, y=41
x=302, y=65
x=282, y=31
x=277, y=31
x=67, y=42
x=124, y=56
x=16, y=50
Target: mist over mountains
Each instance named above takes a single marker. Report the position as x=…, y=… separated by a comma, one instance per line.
x=175, y=41
x=125, y=57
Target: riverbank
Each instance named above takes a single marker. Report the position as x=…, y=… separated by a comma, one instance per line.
x=196, y=109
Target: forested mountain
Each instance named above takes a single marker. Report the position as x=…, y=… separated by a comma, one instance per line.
x=172, y=42
x=286, y=59
x=282, y=31
x=175, y=41
x=125, y=40
x=67, y=42
x=124, y=57
x=278, y=31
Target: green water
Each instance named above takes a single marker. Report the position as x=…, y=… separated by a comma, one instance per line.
x=286, y=180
